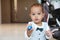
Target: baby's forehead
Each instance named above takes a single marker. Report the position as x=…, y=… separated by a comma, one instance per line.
x=36, y=8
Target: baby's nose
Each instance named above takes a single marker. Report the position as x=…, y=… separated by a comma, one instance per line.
x=36, y=16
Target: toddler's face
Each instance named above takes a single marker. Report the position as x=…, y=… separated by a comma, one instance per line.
x=36, y=14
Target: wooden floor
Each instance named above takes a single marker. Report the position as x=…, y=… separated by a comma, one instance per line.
x=13, y=31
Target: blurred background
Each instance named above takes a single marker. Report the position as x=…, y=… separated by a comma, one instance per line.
x=14, y=15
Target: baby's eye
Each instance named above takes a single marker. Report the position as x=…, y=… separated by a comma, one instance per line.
x=33, y=14
x=39, y=13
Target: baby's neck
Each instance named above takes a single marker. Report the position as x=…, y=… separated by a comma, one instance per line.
x=39, y=24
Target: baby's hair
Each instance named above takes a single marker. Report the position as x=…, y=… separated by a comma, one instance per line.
x=38, y=5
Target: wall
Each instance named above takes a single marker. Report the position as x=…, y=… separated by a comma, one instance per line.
x=5, y=11
x=0, y=11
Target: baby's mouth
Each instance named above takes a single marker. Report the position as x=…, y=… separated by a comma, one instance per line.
x=36, y=19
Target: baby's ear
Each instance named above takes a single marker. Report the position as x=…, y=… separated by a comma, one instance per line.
x=30, y=14
x=43, y=14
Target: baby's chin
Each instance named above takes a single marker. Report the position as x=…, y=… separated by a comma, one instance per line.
x=37, y=22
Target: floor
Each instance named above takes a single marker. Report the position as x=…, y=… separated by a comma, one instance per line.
x=13, y=31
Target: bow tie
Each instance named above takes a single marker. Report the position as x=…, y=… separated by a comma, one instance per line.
x=40, y=29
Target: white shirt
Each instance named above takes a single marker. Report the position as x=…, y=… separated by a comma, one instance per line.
x=37, y=35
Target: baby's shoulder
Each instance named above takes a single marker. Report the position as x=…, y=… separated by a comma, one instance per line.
x=45, y=23
x=30, y=22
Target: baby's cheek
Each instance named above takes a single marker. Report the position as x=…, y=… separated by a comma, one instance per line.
x=41, y=18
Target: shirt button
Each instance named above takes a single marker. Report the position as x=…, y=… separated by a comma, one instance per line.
x=39, y=34
x=39, y=38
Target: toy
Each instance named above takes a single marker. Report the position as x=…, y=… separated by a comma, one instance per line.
x=29, y=27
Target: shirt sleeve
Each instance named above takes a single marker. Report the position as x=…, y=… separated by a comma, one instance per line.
x=47, y=27
x=26, y=36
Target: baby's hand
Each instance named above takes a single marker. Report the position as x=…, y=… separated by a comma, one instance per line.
x=29, y=32
x=48, y=34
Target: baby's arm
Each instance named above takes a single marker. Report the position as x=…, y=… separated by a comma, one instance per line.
x=29, y=29
x=48, y=32
x=28, y=32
